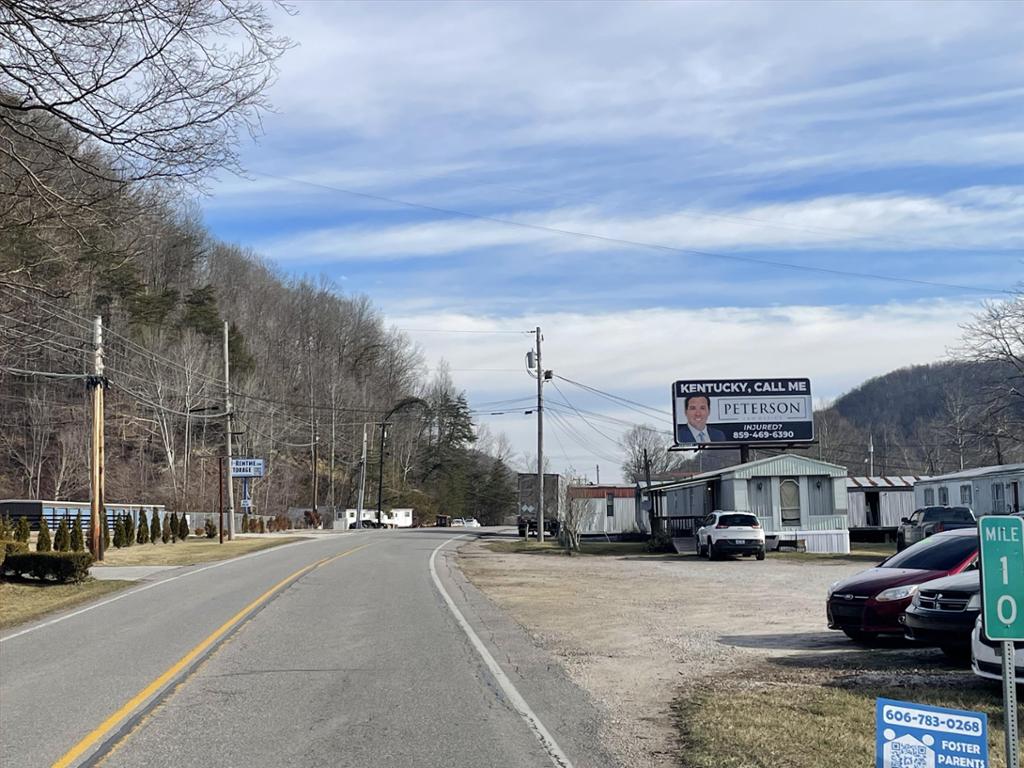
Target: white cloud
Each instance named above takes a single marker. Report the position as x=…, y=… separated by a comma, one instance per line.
x=976, y=217
x=638, y=354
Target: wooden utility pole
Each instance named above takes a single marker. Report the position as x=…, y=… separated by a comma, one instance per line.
x=380, y=478
x=540, y=443
x=97, y=383
x=362, y=483
x=227, y=436
x=220, y=495
x=316, y=461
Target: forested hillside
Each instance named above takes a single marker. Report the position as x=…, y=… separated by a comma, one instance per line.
x=80, y=236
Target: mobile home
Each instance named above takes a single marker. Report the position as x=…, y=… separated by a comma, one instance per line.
x=995, y=490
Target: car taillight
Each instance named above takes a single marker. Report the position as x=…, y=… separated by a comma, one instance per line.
x=939, y=527
x=721, y=525
x=755, y=524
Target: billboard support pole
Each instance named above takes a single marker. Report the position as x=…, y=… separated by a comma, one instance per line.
x=744, y=454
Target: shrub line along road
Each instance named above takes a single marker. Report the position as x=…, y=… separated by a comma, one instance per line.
x=339, y=651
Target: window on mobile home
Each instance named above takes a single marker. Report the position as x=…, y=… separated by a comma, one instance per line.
x=965, y=494
x=944, y=497
x=929, y=497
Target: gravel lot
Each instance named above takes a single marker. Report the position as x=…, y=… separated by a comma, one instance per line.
x=638, y=631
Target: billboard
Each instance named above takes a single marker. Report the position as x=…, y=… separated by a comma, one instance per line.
x=742, y=412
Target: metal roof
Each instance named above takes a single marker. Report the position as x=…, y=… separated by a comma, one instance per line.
x=784, y=464
x=883, y=482
x=968, y=474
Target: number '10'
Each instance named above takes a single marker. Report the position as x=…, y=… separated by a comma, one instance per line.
x=1006, y=601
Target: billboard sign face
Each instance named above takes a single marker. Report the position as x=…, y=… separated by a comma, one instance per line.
x=247, y=467
x=742, y=411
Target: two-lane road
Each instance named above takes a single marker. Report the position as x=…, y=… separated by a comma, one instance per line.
x=346, y=650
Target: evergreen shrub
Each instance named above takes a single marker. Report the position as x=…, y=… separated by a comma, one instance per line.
x=23, y=531
x=44, y=542
x=77, y=540
x=61, y=566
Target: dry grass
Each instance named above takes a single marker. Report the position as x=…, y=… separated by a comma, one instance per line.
x=189, y=551
x=797, y=719
x=598, y=548
x=22, y=601
x=870, y=554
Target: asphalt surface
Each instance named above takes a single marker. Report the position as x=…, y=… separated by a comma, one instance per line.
x=357, y=662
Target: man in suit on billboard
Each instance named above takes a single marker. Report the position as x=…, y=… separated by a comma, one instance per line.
x=696, y=430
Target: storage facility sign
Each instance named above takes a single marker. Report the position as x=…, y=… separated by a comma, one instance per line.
x=1002, y=576
x=742, y=411
x=911, y=735
x=247, y=467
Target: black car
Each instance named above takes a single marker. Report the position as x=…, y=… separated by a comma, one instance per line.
x=943, y=612
x=928, y=521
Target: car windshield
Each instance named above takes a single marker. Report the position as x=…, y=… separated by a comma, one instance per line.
x=939, y=553
x=738, y=520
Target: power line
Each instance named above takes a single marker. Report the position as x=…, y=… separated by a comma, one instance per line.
x=617, y=398
x=638, y=244
x=460, y=330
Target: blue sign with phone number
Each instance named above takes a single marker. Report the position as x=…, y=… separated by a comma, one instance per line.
x=912, y=735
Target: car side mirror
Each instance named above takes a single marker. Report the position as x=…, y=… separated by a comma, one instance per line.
x=905, y=521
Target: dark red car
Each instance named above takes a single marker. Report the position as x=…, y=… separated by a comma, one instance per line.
x=872, y=602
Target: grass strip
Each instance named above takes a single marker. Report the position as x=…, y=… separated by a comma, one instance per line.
x=24, y=601
x=595, y=548
x=188, y=552
x=787, y=724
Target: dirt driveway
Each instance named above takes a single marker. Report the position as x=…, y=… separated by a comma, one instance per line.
x=637, y=631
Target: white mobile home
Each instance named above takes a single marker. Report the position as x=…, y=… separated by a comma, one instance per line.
x=611, y=509
x=795, y=498
x=880, y=502
x=995, y=490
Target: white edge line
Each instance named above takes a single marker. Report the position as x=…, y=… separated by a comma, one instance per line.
x=143, y=588
x=547, y=741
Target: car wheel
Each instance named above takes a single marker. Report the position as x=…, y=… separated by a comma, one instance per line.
x=711, y=549
x=900, y=544
x=701, y=551
x=760, y=554
x=859, y=635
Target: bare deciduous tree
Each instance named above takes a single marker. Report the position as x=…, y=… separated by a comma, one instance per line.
x=163, y=85
x=656, y=443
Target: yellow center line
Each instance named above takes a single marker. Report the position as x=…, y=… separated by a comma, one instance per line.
x=108, y=725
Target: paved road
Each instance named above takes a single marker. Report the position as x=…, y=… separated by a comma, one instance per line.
x=358, y=661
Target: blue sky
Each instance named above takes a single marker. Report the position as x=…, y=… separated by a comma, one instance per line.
x=866, y=138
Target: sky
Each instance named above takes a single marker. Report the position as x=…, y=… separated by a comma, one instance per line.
x=669, y=190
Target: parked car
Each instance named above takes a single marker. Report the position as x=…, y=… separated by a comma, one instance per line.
x=928, y=521
x=471, y=522
x=458, y=522
x=987, y=660
x=730, y=533
x=871, y=602
x=942, y=613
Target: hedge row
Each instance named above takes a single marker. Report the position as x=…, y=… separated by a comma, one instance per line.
x=61, y=566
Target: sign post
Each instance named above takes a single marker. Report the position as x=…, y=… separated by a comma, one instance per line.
x=1002, y=606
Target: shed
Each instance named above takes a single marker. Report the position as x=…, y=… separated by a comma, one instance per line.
x=880, y=502
x=794, y=497
x=994, y=490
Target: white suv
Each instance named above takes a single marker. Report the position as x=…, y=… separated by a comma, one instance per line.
x=730, y=533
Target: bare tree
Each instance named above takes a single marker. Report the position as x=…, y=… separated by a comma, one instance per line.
x=655, y=443
x=576, y=512
x=995, y=337
x=163, y=85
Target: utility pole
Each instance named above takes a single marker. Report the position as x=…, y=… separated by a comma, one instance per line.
x=97, y=382
x=540, y=443
x=227, y=435
x=316, y=460
x=871, y=456
x=380, y=479
x=362, y=483
x=598, y=467
x=651, y=516
x=220, y=495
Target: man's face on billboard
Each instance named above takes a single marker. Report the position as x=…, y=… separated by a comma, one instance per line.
x=697, y=411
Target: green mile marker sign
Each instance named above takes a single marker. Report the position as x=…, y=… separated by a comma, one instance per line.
x=1002, y=576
